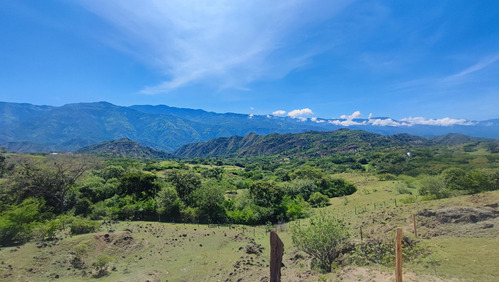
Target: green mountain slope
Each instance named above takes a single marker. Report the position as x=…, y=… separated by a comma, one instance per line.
x=124, y=148
x=311, y=144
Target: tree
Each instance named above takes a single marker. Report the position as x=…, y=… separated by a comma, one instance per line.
x=139, y=184
x=433, y=185
x=455, y=178
x=266, y=193
x=478, y=181
x=185, y=182
x=300, y=187
x=322, y=239
x=168, y=203
x=209, y=199
x=318, y=200
x=50, y=179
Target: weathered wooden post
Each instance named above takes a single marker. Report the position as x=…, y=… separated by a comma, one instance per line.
x=414, y=225
x=399, y=255
x=361, y=233
x=276, y=257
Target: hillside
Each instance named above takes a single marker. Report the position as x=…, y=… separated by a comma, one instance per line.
x=124, y=148
x=310, y=144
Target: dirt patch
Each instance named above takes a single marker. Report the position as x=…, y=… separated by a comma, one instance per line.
x=121, y=241
x=461, y=214
x=459, y=221
x=365, y=274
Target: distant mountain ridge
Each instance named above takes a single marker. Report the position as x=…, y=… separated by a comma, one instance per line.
x=32, y=128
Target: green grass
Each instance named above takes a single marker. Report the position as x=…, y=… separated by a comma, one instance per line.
x=161, y=252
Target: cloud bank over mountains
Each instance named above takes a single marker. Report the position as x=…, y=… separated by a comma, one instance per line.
x=356, y=119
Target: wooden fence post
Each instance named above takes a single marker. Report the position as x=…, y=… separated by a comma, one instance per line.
x=399, y=255
x=414, y=225
x=276, y=257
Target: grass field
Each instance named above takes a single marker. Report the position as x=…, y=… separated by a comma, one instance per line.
x=152, y=251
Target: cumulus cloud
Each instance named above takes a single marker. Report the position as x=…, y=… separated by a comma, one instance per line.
x=437, y=122
x=349, y=120
x=279, y=113
x=385, y=122
x=228, y=44
x=356, y=114
x=299, y=113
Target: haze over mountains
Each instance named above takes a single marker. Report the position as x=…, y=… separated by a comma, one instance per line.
x=33, y=128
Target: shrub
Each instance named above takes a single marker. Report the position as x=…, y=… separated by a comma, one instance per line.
x=82, y=226
x=376, y=251
x=322, y=239
x=319, y=200
x=433, y=186
x=17, y=223
x=101, y=265
x=402, y=188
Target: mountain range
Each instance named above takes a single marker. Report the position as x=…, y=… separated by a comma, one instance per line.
x=33, y=128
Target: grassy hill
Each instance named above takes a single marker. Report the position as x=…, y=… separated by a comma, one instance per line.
x=152, y=251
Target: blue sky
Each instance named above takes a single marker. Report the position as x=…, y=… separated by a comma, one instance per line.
x=398, y=59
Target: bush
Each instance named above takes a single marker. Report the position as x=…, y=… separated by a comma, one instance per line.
x=82, y=226
x=101, y=265
x=376, y=251
x=402, y=188
x=318, y=200
x=433, y=186
x=17, y=223
x=323, y=239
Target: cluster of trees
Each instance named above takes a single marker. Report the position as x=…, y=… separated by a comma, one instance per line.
x=55, y=185
x=456, y=180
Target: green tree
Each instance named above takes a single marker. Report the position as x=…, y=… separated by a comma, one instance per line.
x=433, y=185
x=185, y=182
x=209, y=199
x=300, y=187
x=168, y=203
x=455, y=178
x=17, y=223
x=50, y=180
x=318, y=200
x=139, y=184
x=478, y=181
x=322, y=239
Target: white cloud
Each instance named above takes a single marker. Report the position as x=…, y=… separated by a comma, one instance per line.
x=250, y=116
x=355, y=115
x=279, y=113
x=437, y=122
x=348, y=120
x=228, y=44
x=302, y=112
x=314, y=118
x=385, y=122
